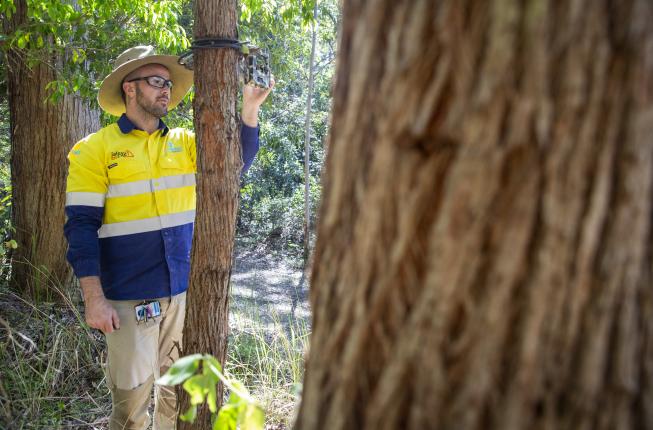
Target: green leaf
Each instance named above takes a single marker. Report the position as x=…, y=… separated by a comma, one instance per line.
x=212, y=398
x=288, y=14
x=208, y=358
x=197, y=387
x=235, y=396
x=211, y=382
x=22, y=41
x=190, y=414
x=252, y=418
x=227, y=418
x=11, y=244
x=181, y=370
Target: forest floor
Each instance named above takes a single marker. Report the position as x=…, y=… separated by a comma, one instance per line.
x=274, y=286
x=269, y=328
x=49, y=369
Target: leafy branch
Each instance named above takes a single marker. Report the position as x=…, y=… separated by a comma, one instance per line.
x=199, y=374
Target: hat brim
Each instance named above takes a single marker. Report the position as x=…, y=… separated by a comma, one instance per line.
x=110, y=96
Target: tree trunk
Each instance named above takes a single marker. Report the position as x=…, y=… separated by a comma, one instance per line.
x=307, y=140
x=485, y=244
x=218, y=169
x=42, y=133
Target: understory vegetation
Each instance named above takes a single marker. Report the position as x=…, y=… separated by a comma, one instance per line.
x=51, y=375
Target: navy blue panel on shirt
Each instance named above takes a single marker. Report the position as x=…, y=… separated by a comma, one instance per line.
x=146, y=265
x=178, y=241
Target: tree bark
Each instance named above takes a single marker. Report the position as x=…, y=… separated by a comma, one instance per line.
x=307, y=140
x=484, y=252
x=218, y=172
x=42, y=133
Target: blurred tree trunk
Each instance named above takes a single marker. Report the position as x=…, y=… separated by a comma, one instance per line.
x=42, y=133
x=485, y=246
x=307, y=140
x=218, y=172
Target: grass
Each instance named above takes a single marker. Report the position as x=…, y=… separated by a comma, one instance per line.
x=51, y=376
x=269, y=360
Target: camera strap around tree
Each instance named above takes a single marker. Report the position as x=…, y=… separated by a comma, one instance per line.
x=253, y=65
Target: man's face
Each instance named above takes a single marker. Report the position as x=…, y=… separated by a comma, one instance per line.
x=151, y=99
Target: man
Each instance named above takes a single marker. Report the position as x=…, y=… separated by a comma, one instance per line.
x=130, y=207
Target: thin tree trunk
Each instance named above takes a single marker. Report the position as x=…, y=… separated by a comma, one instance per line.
x=42, y=133
x=218, y=169
x=307, y=140
x=485, y=245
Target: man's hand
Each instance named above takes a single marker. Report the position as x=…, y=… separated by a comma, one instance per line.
x=253, y=98
x=99, y=313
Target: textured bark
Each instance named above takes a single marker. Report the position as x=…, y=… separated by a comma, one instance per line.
x=484, y=252
x=218, y=171
x=42, y=133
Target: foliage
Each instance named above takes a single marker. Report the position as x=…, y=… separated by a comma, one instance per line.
x=241, y=410
x=270, y=10
x=51, y=377
x=272, y=196
x=85, y=35
x=278, y=219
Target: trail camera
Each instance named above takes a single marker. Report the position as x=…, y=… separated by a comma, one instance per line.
x=186, y=60
x=253, y=65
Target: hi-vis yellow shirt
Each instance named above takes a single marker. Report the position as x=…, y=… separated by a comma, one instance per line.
x=141, y=179
x=130, y=206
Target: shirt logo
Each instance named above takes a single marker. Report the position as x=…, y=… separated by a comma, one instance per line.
x=173, y=148
x=121, y=154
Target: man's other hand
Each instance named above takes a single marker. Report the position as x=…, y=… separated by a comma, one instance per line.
x=253, y=98
x=97, y=310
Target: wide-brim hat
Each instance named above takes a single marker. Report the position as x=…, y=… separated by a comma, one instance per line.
x=110, y=95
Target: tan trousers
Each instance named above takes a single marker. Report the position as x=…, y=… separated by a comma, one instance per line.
x=137, y=355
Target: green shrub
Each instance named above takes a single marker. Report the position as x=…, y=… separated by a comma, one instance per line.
x=278, y=221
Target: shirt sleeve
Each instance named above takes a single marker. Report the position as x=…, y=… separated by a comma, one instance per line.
x=86, y=188
x=250, y=144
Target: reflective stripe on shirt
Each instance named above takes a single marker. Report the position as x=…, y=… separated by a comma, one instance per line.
x=85, y=199
x=147, y=224
x=151, y=185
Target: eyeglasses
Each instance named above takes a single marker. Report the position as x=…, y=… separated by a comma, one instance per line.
x=155, y=81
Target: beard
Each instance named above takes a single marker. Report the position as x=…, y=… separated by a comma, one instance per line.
x=153, y=108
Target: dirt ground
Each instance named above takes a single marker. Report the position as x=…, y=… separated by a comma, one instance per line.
x=269, y=287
